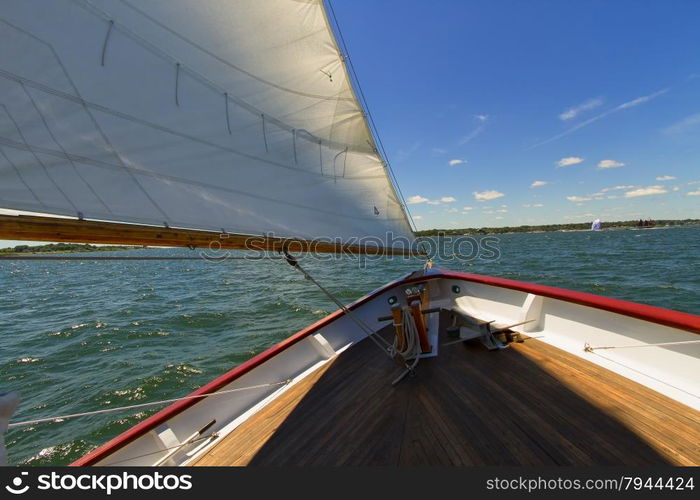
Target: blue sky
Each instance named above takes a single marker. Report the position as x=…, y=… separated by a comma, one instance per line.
x=527, y=112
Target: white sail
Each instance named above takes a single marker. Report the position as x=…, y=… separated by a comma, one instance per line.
x=207, y=114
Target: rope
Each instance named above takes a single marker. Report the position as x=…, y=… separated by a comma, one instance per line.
x=142, y=405
x=177, y=84
x=587, y=347
x=412, y=348
x=104, y=44
x=196, y=440
x=363, y=326
x=373, y=126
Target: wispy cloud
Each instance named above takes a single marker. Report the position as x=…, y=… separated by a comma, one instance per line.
x=414, y=200
x=569, y=160
x=666, y=178
x=456, y=161
x=683, y=125
x=533, y=205
x=616, y=109
x=574, y=111
x=405, y=153
x=581, y=216
x=579, y=199
x=537, y=184
x=487, y=195
x=481, y=118
x=610, y=164
x=693, y=193
x=439, y=151
x=472, y=135
x=417, y=217
x=417, y=199
x=647, y=191
x=617, y=188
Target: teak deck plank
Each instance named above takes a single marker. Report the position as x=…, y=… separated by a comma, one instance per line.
x=530, y=404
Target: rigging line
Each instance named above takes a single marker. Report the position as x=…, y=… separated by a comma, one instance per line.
x=104, y=44
x=264, y=131
x=43, y=166
x=167, y=57
x=663, y=382
x=190, y=182
x=60, y=146
x=98, y=107
x=386, y=348
x=228, y=121
x=144, y=405
x=588, y=347
x=197, y=440
x=80, y=101
x=21, y=177
x=224, y=61
x=177, y=85
x=369, y=114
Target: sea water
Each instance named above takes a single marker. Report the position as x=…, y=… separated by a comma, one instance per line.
x=87, y=335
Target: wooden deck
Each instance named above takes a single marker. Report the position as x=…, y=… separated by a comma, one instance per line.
x=530, y=404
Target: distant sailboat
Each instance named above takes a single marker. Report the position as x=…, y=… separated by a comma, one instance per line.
x=596, y=225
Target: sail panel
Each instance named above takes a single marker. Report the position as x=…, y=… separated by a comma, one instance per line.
x=212, y=115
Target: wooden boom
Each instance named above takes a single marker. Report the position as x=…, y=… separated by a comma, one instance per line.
x=33, y=228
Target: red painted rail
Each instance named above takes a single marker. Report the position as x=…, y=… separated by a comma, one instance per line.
x=666, y=317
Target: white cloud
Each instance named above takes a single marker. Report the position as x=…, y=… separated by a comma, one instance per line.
x=610, y=164
x=451, y=210
x=569, y=160
x=499, y=217
x=578, y=216
x=456, y=161
x=467, y=208
x=533, y=205
x=472, y=135
x=641, y=100
x=537, y=184
x=693, y=193
x=647, y=191
x=413, y=200
x=579, y=199
x=616, y=188
x=417, y=217
x=666, y=178
x=439, y=151
x=487, y=195
x=683, y=125
x=676, y=188
x=481, y=118
x=623, y=106
x=584, y=106
x=502, y=211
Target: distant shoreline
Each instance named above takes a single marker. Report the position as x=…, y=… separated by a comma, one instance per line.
x=550, y=228
x=61, y=248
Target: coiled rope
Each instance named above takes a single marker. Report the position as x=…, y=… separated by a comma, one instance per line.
x=412, y=347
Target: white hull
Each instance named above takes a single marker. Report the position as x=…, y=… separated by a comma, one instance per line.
x=564, y=319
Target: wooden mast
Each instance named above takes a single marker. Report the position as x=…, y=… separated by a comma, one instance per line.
x=33, y=228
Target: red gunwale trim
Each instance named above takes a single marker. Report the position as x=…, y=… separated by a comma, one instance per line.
x=674, y=319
